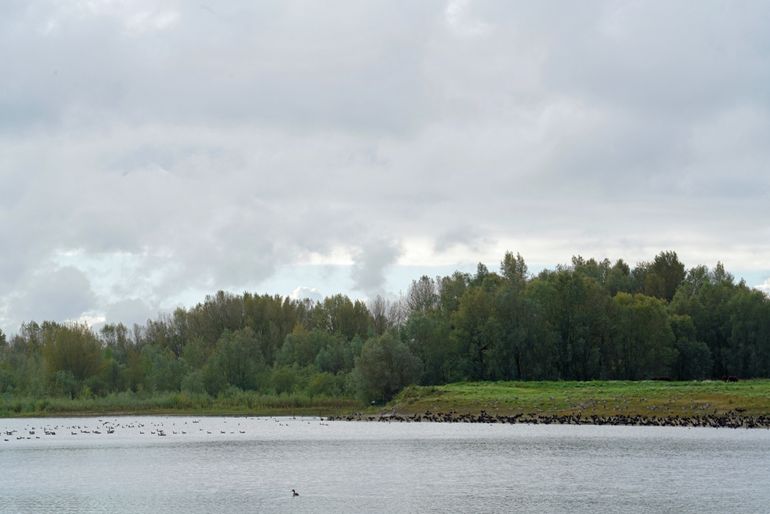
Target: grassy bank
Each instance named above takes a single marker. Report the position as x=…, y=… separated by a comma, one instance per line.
x=240, y=403
x=601, y=398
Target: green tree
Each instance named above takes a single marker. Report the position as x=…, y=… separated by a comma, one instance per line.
x=619, y=278
x=451, y=290
x=162, y=370
x=71, y=348
x=693, y=361
x=643, y=341
x=284, y=379
x=385, y=367
x=339, y=315
x=514, y=269
x=325, y=384
x=422, y=295
x=428, y=337
x=705, y=297
x=303, y=347
x=748, y=340
x=577, y=309
x=477, y=334
x=662, y=276
x=237, y=362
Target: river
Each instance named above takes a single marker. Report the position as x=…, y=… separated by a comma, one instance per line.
x=241, y=464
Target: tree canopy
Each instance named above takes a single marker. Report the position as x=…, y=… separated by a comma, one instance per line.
x=591, y=319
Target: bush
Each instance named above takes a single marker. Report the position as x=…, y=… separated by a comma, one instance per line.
x=284, y=380
x=193, y=383
x=325, y=384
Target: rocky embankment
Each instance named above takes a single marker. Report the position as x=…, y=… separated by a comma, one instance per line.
x=731, y=419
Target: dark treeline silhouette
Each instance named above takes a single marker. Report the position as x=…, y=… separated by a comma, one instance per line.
x=587, y=320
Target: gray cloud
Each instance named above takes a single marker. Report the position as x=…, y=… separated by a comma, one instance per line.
x=129, y=311
x=63, y=294
x=370, y=264
x=173, y=148
x=471, y=237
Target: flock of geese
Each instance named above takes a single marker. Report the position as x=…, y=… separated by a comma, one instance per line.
x=153, y=428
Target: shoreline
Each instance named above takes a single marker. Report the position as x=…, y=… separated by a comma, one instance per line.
x=643, y=403
x=240, y=413
x=731, y=419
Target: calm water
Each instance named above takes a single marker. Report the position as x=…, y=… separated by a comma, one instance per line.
x=251, y=465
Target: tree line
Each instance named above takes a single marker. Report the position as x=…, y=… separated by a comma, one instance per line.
x=587, y=320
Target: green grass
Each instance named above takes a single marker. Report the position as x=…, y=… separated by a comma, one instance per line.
x=602, y=398
x=239, y=403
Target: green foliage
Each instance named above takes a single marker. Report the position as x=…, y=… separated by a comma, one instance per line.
x=194, y=383
x=422, y=296
x=427, y=336
x=477, y=332
x=662, y=276
x=576, y=308
x=642, y=339
x=65, y=384
x=237, y=361
x=305, y=348
x=385, y=366
x=326, y=384
x=7, y=381
x=284, y=380
x=339, y=315
x=195, y=353
x=71, y=348
x=514, y=269
x=588, y=320
x=163, y=371
x=693, y=361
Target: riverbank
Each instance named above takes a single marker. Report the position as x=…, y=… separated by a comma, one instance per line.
x=238, y=404
x=730, y=419
x=657, y=403
x=704, y=403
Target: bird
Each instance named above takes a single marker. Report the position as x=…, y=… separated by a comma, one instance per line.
x=294, y=493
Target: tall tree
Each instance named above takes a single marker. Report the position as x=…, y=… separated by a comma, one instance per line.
x=71, y=348
x=662, y=276
x=385, y=366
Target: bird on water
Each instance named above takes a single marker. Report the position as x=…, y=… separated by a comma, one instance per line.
x=294, y=493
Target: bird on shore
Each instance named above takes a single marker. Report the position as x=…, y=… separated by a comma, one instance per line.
x=294, y=493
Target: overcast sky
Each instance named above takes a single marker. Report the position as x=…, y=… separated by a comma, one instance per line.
x=155, y=151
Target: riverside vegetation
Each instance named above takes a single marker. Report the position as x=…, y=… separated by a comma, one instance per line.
x=589, y=320
x=661, y=403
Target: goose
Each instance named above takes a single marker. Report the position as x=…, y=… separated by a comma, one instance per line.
x=294, y=493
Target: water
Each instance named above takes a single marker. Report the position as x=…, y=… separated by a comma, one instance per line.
x=251, y=465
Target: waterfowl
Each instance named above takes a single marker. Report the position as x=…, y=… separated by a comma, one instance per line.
x=294, y=493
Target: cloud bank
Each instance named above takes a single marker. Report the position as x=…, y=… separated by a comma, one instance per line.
x=151, y=151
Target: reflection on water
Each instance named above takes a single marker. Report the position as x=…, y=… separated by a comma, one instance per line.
x=238, y=464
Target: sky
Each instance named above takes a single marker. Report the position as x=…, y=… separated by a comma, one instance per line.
x=156, y=151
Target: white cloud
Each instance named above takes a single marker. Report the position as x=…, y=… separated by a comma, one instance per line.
x=460, y=22
x=764, y=287
x=370, y=264
x=303, y=293
x=144, y=21
x=160, y=151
